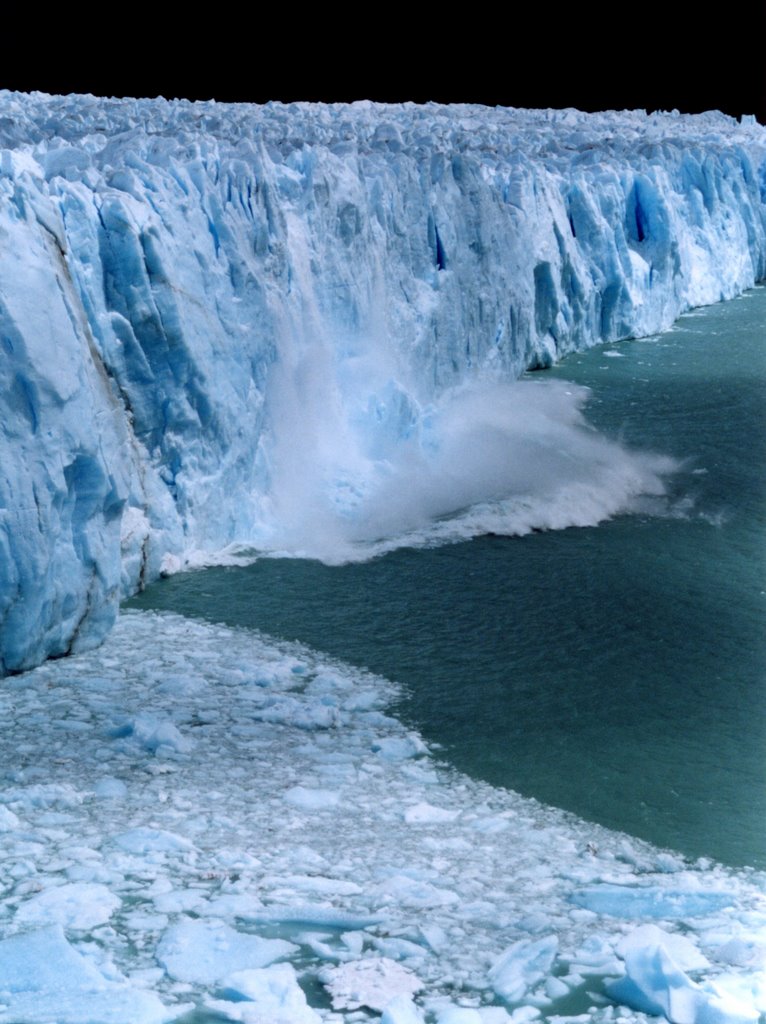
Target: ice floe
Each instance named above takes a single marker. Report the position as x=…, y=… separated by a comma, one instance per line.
x=205, y=951
x=373, y=983
x=266, y=871
x=43, y=978
x=268, y=995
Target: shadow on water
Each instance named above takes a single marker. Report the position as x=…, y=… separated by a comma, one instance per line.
x=616, y=671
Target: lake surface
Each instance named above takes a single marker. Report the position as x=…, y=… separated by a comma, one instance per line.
x=615, y=671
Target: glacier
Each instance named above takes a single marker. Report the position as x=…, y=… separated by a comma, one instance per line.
x=230, y=328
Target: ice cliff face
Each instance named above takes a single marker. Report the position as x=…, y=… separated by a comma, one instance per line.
x=202, y=304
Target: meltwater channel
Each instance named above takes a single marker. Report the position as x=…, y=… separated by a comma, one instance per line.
x=618, y=671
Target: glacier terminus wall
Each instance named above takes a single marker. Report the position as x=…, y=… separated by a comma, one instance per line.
x=237, y=327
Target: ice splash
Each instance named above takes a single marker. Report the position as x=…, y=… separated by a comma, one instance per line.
x=359, y=469
x=365, y=455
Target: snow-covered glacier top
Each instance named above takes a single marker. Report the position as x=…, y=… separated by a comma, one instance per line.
x=294, y=327
x=88, y=122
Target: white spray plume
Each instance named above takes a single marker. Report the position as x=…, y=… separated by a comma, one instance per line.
x=360, y=466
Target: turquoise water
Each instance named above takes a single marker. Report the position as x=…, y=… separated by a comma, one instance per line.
x=614, y=671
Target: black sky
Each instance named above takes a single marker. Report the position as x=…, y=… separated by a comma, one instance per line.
x=653, y=56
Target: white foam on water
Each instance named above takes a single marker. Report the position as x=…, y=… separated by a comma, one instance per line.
x=302, y=823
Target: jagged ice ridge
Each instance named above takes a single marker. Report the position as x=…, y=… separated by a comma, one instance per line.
x=256, y=326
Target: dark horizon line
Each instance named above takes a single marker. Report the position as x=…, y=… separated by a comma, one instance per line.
x=666, y=58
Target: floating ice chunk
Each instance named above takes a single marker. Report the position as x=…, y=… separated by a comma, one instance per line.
x=434, y=936
x=155, y=734
x=203, y=952
x=363, y=700
x=668, y=862
x=630, y=901
x=401, y=1010
x=399, y=748
x=48, y=794
x=8, y=820
x=412, y=892
x=77, y=905
x=372, y=983
x=555, y=988
x=497, y=1015
x=324, y=950
x=458, y=1015
x=684, y=953
x=595, y=956
x=110, y=789
x=522, y=966
x=491, y=825
x=181, y=685
x=535, y=923
x=80, y=853
x=735, y=997
x=311, y=884
x=354, y=942
x=289, y=711
x=236, y=859
x=180, y=901
x=43, y=978
x=425, y=814
x=313, y=915
x=114, y=1006
x=399, y=949
x=741, y=952
x=43, y=959
x=232, y=904
x=269, y=995
x=654, y=983
x=90, y=871
x=312, y=799
x=143, y=921
x=152, y=840
x=527, y=1013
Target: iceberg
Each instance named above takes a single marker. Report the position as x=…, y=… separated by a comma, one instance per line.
x=229, y=328
x=521, y=966
x=43, y=977
x=205, y=952
x=265, y=996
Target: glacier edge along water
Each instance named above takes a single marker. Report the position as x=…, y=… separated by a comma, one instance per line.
x=173, y=265
x=615, y=671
